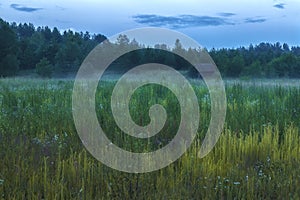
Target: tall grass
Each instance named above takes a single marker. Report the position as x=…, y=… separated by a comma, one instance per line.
x=256, y=157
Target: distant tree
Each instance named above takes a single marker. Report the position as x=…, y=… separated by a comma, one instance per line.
x=9, y=65
x=8, y=50
x=46, y=31
x=56, y=36
x=286, y=47
x=68, y=56
x=98, y=38
x=134, y=44
x=123, y=41
x=236, y=66
x=295, y=51
x=24, y=30
x=27, y=54
x=86, y=36
x=170, y=60
x=44, y=68
x=161, y=46
x=253, y=70
x=178, y=46
x=179, y=50
x=287, y=65
x=296, y=68
x=221, y=59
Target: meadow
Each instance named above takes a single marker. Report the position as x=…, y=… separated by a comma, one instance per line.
x=256, y=157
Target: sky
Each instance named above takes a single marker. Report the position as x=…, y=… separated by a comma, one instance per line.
x=212, y=23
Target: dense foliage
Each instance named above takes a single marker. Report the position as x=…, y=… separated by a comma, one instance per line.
x=263, y=60
x=23, y=46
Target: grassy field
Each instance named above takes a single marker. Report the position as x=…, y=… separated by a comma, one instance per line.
x=256, y=157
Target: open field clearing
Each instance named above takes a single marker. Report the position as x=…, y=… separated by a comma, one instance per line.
x=256, y=157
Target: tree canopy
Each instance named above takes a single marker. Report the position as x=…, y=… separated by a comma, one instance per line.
x=25, y=47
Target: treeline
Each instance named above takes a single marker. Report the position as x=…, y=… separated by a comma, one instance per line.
x=48, y=51
x=25, y=47
x=263, y=60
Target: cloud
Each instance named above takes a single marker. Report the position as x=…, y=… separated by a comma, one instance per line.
x=279, y=5
x=225, y=14
x=22, y=8
x=180, y=21
x=60, y=8
x=255, y=20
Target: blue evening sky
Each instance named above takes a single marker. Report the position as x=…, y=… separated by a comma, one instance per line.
x=212, y=23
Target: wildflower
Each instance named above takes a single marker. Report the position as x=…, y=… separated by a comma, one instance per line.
x=268, y=159
x=55, y=137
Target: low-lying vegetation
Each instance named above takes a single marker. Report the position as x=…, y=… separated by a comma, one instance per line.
x=42, y=157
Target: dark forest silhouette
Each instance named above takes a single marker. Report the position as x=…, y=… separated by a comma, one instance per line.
x=48, y=51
